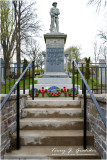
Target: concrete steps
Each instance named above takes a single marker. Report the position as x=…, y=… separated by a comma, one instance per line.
x=52, y=112
x=51, y=123
x=53, y=103
x=53, y=152
x=53, y=137
x=52, y=128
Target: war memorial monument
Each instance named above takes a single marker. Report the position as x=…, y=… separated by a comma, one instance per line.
x=54, y=58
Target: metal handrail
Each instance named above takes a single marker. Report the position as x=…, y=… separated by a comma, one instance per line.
x=10, y=92
x=18, y=102
x=92, y=96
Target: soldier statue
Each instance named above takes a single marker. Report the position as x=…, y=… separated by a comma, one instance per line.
x=54, y=12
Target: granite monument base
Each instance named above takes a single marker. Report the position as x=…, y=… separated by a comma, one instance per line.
x=46, y=86
x=53, y=81
x=55, y=75
x=54, y=63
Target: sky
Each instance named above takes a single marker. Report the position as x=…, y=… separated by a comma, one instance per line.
x=80, y=21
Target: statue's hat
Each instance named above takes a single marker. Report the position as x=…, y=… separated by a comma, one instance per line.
x=54, y=3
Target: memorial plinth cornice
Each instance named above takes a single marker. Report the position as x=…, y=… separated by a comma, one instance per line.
x=56, y=35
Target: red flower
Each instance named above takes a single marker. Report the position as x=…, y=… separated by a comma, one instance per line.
x=42, y=87
x=61, y=89
x=45, y=89
x=67, y=89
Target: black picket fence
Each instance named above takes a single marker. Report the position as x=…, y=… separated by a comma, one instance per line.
x=9, y=76
x=94, y=74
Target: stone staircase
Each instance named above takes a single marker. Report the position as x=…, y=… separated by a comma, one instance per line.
x=52, y=128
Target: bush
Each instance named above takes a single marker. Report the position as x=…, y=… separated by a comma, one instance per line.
x=87, y=69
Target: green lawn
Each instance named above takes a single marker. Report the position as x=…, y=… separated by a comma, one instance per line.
x=89, y=82
x=35, y=82
x=12, y=83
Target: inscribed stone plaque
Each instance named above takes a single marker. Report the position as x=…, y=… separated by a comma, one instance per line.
x=54, y=43
x=55, y=60
x=102, y=71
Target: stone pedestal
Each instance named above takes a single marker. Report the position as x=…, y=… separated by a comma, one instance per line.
x=55, y=54
x=54, y=73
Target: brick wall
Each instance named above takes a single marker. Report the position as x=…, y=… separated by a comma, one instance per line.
x=8, y=120
x=95, y=123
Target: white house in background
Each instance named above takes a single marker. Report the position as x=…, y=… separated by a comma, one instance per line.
x=13, y=66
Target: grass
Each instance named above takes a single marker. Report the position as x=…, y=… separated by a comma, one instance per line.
x=35, y=82
x=89, y=83
x=12, y=83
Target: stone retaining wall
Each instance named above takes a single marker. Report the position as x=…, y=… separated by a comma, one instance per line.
x=95, y=123
x=8, y=120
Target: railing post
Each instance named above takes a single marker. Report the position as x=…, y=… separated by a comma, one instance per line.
x=5, y=78
x=101, y=80
x=14, y=78
x=82, y=80
x=85, y=119
x=33, y=80
x=29, y=80
x=18, y=119
x=92, y=79
x=96, y=82
x=9, y=76
x=73, y=80
x=23, y=80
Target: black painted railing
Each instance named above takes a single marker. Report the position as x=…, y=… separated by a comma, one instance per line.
x=96, y=79
x=97, y=82
x=17, y=84
x=84, y=88
x=9, y=76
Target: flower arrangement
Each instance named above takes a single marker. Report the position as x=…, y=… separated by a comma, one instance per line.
x=42, y=91
x=36, y=92
x=53, y=91
x=70, y=92
x=65, y=91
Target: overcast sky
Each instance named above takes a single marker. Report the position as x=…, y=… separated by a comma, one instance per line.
x=78, y=20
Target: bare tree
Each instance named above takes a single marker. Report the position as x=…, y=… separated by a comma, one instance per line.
x=103, y=35
x=8, y=33
x=17, y=27
x=95, y=52
x=98, y=3
x=103, y=51
x=27, y=24
x=32, y=50
x=40, y=59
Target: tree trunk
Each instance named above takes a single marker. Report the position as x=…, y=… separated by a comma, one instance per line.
x=6, y=59
x=18, y=48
